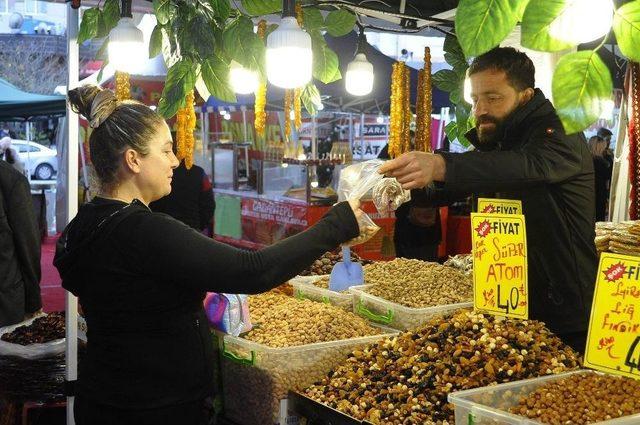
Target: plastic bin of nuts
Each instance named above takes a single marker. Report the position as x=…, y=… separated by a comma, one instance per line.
x=257, y=378
x=493, y=405
x=304, y=288
x=394, y=315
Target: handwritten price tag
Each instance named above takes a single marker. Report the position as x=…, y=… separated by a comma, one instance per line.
x=613, y=344
x=500, y=283
x=499, y=206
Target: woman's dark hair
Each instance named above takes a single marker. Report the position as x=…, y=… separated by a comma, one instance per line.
x=130, y=126
x=8, y=156
x=519, y=68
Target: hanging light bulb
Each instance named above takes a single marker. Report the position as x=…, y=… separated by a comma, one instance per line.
x=289, y=56
x=380, y=119
x=226, y=115
x=583, y=21
x=127, y=51
x=243, y=80
x=359, y=78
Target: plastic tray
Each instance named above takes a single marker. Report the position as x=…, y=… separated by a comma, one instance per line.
x=256, y=378
x=490, y=405
x=303, y=288
x=394, y=315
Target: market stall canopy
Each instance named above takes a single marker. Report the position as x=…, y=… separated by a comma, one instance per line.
x=18, y=105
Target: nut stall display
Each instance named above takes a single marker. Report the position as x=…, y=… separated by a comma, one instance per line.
x=316, y=288
x=324, y=264
x=407, y=378
x=574, y=398
x=293, y=343
x=404, y=293
x=620, y=238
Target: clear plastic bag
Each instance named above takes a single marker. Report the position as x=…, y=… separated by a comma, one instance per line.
x=388, y=195
x=228, y=313
x=31, y=351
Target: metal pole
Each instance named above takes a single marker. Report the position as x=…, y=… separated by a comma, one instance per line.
x=71, y=320
x=244, y=121
x=362, y=136
x=314, y=137
x=351, y=135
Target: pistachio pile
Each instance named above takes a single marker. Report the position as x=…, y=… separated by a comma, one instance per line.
x=581, y=399
x=280, y=321
x=407, y=378
x=417, y=284
x=324, y=264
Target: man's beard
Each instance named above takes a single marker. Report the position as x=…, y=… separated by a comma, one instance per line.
x=488, y=136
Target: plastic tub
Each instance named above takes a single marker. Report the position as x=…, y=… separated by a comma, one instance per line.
x=490, y=405
x=394, y=315
x=256, y=378
x=303, y=288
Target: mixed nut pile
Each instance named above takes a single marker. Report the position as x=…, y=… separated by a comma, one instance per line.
x=462, y=262
x=417, y=284
x=582, y=399
x=43, y=329
x=324, y=264
x=406, y=379
x=281, y=321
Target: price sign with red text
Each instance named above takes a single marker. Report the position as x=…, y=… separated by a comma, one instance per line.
x=499, y=206
x=613, y=344
x=500, y=285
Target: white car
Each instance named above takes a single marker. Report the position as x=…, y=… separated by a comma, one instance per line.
x=38, y=160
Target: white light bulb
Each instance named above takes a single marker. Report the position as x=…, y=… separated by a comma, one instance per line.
x=289, y=57
x=359, y=77
x=243, y=80
x=127, y=51
x=284, y=165
x=583, y=21
x=314, y=184
x=226, y=116
x=380, y=119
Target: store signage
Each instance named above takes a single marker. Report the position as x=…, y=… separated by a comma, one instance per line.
x=613, y=343
x=500, y=284
x=375, y=130
x=499, y=206
x=278, y=212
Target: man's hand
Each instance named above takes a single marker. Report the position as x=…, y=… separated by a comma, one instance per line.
x=415, y=170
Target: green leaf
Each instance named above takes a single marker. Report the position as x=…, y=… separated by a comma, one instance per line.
x=163, y=10
x=104, y=65
x=454, y=55
x=581, y=82
x=325, y=61
x=215, y=74
x=155, y=42
x=244, y=46
x=111, y=14
x=520, y=6
x=310, y=97
x=626, y=25
x=482, y=24
x=181, y=78
x=262, y=7
x=312, y=19
x=170, y=52
x=536, y=22
x=455, y=96
x=102, y=26
x=446, y=80
x=203, y=37
x=270, y=28
x=451, y=130
x=102, y=54
x=222, y=8
x=340, y=22
x=89, y=25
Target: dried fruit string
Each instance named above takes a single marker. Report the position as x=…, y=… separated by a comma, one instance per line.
x=288, y=97
x=395, y=119
x=424, y=106
x=406, y=107
x=123, y=86
x=297, y=101
x=185, y=125
x=261, y=93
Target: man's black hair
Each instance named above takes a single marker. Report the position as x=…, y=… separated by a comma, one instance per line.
x=604, y=132
x=516, y=64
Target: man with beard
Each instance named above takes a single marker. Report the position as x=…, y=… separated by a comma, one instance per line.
x=522, y=152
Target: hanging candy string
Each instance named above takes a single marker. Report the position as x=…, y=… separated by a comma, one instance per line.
x=123, y=86
x=261, y=93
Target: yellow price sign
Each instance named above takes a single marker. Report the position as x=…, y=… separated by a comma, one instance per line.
x=500, y=284
x=613, y=343
x=499, y=206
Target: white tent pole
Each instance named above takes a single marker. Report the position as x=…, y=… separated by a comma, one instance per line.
x=72, y=199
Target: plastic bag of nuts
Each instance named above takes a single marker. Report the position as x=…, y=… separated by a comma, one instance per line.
x=407, y=379
x=40, y=337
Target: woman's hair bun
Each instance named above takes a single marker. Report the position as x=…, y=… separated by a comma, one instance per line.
x=81, y=99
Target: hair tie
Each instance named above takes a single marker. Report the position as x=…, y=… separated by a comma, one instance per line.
x=102, y=106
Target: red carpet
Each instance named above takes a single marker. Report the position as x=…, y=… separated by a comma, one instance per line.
x=50, y=289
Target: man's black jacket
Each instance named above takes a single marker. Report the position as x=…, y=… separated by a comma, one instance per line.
x=19, y=248
x=552, y=174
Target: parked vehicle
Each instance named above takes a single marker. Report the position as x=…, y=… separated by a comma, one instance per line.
x=39, y=160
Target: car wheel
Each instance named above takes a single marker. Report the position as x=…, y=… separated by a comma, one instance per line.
x=44, y=172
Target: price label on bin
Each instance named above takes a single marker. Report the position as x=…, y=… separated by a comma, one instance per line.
x=500, y=283
x=499, y=206
x=613, y=343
